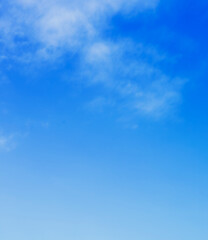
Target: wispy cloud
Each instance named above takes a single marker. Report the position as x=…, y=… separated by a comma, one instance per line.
x=62, y=23
x=130, y=72
x=128, y=69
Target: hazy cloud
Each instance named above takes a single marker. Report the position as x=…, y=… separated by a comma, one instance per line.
x=135, y=79
x=129, y=70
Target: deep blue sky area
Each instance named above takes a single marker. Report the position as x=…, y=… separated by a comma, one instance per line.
x=103, y=120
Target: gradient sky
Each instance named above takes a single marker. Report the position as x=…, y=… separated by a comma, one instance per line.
x=103, y=120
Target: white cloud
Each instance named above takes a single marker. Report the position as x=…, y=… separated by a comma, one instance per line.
x=63, y=23
x=128, y=69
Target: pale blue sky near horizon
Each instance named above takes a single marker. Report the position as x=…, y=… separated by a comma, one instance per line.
x=103, y=120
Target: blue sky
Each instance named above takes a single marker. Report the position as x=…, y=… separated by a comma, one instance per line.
x=103, y=120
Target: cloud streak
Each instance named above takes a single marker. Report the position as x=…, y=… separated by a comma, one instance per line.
x=126, y=68
x=63, y=23
x=130, y=72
